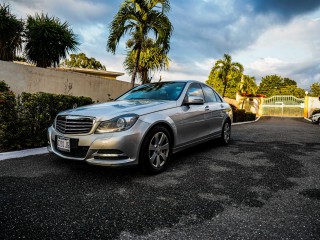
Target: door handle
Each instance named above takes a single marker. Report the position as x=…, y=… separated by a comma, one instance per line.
x=207, y=108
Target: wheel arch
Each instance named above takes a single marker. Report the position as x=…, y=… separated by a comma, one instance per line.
x=163, y=124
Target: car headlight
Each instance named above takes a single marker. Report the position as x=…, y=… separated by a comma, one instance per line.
x=117, y=124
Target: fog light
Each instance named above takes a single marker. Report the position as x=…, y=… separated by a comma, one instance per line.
x=110, y=154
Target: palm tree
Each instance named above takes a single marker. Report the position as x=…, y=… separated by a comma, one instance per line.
x=225, y=68
x=139, y=17
x=248, y=86
x=152, y=58
x=11, y=30
x=48, y=40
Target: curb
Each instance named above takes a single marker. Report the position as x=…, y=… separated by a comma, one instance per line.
x=308, y=119
x=241, y=123
x=23, y=153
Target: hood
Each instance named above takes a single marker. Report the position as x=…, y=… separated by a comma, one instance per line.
x=109, y=110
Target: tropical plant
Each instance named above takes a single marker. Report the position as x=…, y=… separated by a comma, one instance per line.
x=227, y=70
x=152, y=58
x=315, y=89
x=82, y=61
x=48, y=40
x=248, y=85
x=11, y=30
x=139, y=18
x=233, y=84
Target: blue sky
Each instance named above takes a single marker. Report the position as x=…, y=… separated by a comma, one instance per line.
x=266, y=36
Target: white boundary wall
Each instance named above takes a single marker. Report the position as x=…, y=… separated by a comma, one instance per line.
x=313, y=103
x=24, y=78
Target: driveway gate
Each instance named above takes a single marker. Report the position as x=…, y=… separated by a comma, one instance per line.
x=283, y=106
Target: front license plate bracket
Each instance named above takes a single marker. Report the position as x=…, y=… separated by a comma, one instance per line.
x=63, y=144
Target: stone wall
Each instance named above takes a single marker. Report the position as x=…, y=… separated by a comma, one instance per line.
x=24, y=78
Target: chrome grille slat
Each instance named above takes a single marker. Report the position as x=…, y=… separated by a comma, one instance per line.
x=74, y=124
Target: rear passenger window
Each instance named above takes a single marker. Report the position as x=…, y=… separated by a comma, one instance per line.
x=218, y=97
x=209, y=94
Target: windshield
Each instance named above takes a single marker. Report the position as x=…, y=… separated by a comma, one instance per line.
x=158, y=91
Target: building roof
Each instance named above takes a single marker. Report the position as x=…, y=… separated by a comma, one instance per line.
x=100, y=73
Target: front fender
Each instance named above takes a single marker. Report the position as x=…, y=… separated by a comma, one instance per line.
x=158, y=118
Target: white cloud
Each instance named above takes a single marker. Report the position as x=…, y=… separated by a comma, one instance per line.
x=288, y=50
x=92, y=33
x=66, y=10
x=266, y=65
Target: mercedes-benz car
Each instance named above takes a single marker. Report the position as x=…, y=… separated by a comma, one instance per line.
x=144, y=126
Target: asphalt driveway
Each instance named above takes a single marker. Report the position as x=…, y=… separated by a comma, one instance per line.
x=265, y=185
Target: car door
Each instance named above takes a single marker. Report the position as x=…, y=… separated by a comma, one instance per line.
x=191, y=125
x=214, y=111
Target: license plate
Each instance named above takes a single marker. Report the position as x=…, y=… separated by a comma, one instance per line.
x=63, y=144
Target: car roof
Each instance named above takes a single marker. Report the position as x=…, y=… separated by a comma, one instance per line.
x=184, y=81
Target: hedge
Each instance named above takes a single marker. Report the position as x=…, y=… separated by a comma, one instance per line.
x=26, y=118
x=240, y=115
x=8, y=116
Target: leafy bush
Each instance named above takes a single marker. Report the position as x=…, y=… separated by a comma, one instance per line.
x=317, y=110
x=37, y=112
x=249, y=116
x=234, y=108
x=24, y=121
x=8, y=117
x=240, y=115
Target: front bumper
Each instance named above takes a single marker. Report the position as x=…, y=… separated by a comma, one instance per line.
x=315, y=119
x=108, y=149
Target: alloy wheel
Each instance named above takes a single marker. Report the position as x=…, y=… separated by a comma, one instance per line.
x=226, y=132
x=158, y=150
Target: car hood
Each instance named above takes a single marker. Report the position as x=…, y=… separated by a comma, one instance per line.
x=109, y=110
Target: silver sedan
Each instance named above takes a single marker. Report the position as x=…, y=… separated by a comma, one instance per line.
x=144, y=126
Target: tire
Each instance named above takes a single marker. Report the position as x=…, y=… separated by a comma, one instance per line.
x=226, y=133
x=156, y=150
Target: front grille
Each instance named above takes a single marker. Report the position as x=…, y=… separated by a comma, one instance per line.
x=74, y=124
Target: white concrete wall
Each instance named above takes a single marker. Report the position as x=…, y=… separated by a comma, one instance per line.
x=313, y=103
x=24, y=78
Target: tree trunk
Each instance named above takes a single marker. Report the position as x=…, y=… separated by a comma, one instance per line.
x=224, y=89
x=242, y=103
x=135, y=69
x=144, y=76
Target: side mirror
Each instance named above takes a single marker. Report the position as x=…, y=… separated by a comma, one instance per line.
x=193, y=100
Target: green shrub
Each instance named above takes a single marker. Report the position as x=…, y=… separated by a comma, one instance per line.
x=240, y=115
x=24, y=120
x=317, y=110
x=250, y=116
x=8, y=117
x=37, y=112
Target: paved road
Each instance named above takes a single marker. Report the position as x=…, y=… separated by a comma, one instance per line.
x=265, y=185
